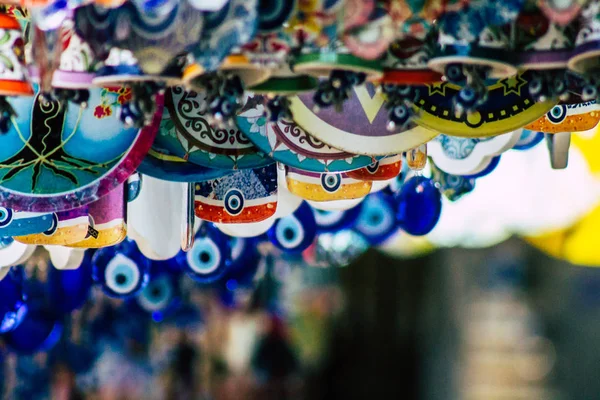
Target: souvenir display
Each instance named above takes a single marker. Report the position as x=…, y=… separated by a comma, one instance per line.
x=143, y=143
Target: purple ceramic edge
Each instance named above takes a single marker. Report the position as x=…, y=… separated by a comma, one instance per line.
x=553, y=57
x=96, y=189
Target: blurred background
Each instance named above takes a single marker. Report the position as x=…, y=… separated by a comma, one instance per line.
x=506, y=322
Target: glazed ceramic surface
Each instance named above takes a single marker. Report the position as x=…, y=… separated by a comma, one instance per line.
x=362, y=126
x=55, y=159
x=289, y=144
x=155, y=217
x=107, y=220
x=224, y=30
x=509, y=106
x=18, y=223
x=244, y=196
x=325, y=186
x=160, y=164
x=186, y=133
x=382, y=170
x=13, y=81
x=576, y=117
x=468, y=156
x=72, y=227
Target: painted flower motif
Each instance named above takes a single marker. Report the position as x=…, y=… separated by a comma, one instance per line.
x=18, y=48
x=258, y=125
x=102, y=111
x=308, y=21
x=124, y=93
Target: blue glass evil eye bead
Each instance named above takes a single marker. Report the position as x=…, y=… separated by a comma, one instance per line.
x=161, y=294
x=121, y=271
x=376, y=221
x=296, y=232
x=39, y=331
x=68, y=290
x=419, y=205
x=245, y=260
x=335, y=221
x=209, y=257
x=12, y=300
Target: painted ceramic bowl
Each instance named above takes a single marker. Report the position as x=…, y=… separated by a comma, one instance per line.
x=13, y=81
x=77, y=61
x=406, y=60
x=489, y=49
x=509, y=106
x=226, y=30
x=289, y=144
x=371, y=39
x=244, y=196
x=561, y=11
x=160, y=164
x=155, y=39
x=56, y=158
x=542, y=44
x=362, y=126
x=587, y=43
x=186, y=132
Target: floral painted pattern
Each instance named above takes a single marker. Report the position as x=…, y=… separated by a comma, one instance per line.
x=112, y=97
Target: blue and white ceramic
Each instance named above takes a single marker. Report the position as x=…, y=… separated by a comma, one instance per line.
x=19, y=223
x=121, y=271
x=244, y=196
x=286, y=142
x=186, y=132
x=56, y=158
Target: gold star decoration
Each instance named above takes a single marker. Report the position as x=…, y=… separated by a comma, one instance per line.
x=513, y=85
x=438, y=87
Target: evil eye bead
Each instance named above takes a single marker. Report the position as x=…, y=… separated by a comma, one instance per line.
x=244, y=262
x=12, y=300
x=336, y=220
x=589, y=92
x=5, y=241
x=376, y=221
x=134, y=186
x=122, y=271
x=454, y=73
x=158, y=294
x=122, y=276
x=296, y=232
x=557, y=114
x=537, y=86
x=234, y=202
x=400, y=115
x=419, y=206
x=6, y=216
x=331, y=182
x=467, y=97
x=210, y=256
x=54, y=225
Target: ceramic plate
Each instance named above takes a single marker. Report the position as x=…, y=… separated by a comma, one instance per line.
x=54, y=159
x=509, y=107
x=362, y=126
x=186, y=133
x=289, y=144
